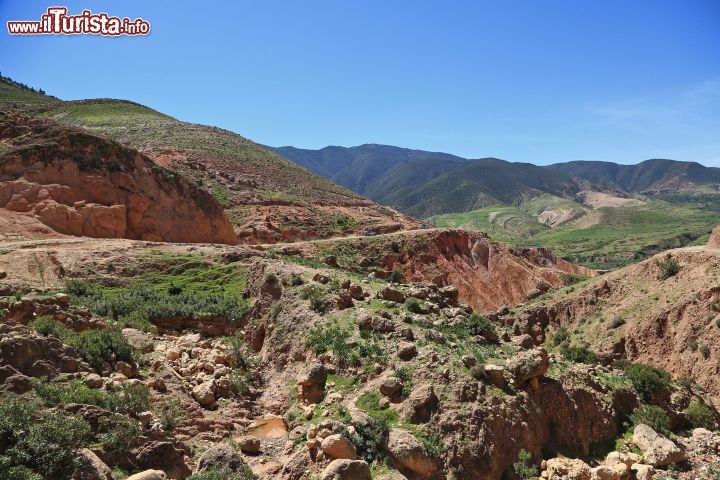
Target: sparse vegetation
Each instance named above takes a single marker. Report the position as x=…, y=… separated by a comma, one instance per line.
x=243, y=473
x=524, y=466
x=647, y=380
x=652, y=416
x=316, y=296
x=669, y=267
x=700, y=415
x=579, y=355
x=330, y=338
x=169, y=414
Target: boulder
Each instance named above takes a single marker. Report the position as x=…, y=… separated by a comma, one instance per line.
x=88, y=466
x=338, y=447
x=163, y=455
x=344, y=469
x=407, y=452
x=138, y=339
x=356, y=291
x=220, y=457
x=495, y=374
x=249, y=445
x=407, y=351
x=311, y=386
x=148, y=475
x=643, y=472
x=204, y=395
x=422, y=403
x=392, y=388
x=528, y=365
x=603, y=472
x=392, y=295
x=567, y=469
x=629, y=459
x=375, y=323
x=657, y=449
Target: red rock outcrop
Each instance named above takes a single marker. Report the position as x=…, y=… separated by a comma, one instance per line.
x=80, y=184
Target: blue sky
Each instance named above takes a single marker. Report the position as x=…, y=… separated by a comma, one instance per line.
x=536, y=81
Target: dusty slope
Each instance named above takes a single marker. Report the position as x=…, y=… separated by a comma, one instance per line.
x=672, y=323
x=80, y=184
x=488, y=274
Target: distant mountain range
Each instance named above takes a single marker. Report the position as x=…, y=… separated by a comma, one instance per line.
x=422, y=183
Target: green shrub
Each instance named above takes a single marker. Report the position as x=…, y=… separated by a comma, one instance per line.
x=617, y=322
x=48, y=445
x=243, y=473
x=15, y=416
x=477, y=324
x=413, y=304
x=169, y=414
x=118, y=433
x=705, y=351
x=315, y=295
x=647, y=380
x=295, y=280
x=685, y=381
x=524, y=467
x=10, y=471
x=478, y=372
x=129, y=399
x=271, y=278
x=396, y=276
x=561, y=336
x=331, y=338
x=369, y=439
x=652, y=416
x=700, y=415
x=579, y=355
x=47, y=325
x=369, y=402
x=669, y=267
x=431, y=442
x=99, y=346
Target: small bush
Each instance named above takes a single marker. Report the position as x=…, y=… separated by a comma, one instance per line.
x=561, y=336
x=524, y=467
x=100, y=346
x=271, y=278
x=118, y=434
x=169, y=414
x=617, y=322
x=705, y=351
x=478, y=324
x=669, y=267
x=369, y=439
x=692, y=345
x=316, y=297
x=700, y=415
x=396, y=276
x=478, y=372
x=413, y=304
x=331, y=338
x=369, y=402
x=15, y=416
x=129, y=399
x=10, y=471
x=432, y=443
x=647, y=380
x=48, y=445
x=652, y=416
x=243, y=473
x=133, y=399
x=579, y=355
x=686, y=381
x=295, y=280
x=47, y=325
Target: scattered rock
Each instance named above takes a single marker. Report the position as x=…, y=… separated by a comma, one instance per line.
x=407, y=351
x=567, y=469
x=422, y=403
x=495, y=374
x=408, y=453
x=204, y=395
x=148, y=475
x=528, y=365
x=392, y=388
x=643, y=472
x=311, y=386
x=220, y=457
x=249, y=445
x=344, y=469
x=392, y=295
x=338, y=447
x=658, y=450
x=88, y=466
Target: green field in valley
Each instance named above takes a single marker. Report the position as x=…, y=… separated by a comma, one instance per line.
x=604, y=238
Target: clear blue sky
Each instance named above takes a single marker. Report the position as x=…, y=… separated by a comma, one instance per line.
x=537, y=81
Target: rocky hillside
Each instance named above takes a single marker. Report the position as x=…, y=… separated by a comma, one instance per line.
x=487, y=274
x=77, y=183
x=165, y=361
x=267, y=198
x=664, y=311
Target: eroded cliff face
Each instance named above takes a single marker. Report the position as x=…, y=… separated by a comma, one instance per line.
x=80, y=184
x=488, y=274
